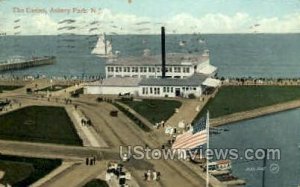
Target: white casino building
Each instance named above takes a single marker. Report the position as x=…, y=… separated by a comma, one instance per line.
x=143, y=76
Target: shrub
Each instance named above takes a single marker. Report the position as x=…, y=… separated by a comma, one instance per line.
x=192, y=96
x=99, y=99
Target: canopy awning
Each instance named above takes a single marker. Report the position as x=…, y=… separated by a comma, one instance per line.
x=208, y=70
x=210, y=82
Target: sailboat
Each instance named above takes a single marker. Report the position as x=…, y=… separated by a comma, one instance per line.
x=103, y=47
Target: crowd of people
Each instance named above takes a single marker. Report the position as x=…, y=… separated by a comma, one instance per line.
x=89, y=161
x=117, y=171
x=152, y=175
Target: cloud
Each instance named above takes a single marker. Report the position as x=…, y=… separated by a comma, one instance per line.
x=210, y=23
x=289, y=23
x=124, y=23
x=238, y=23
x=39, y=24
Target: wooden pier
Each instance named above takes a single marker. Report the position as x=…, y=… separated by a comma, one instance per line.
x=6, y=66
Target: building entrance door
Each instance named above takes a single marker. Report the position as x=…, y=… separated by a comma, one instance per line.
x=177, y=92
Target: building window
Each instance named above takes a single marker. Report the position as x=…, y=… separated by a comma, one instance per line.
x=157, y=91
x=170, y=69
x=164, y=89
x=112, y=69
x=134, y=69
x=177, y=69
x=118, y=69
x=151, y=90
x=168, y=89
x=171, y=89
x=158, y=69
x=126, y=69
x=194, y=88
x=144, y=90
x=186, y=70
x=143, y=69
x=150, y=69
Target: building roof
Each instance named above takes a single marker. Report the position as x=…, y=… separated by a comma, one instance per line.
x=171, y=59
x=117, y=81
x=209, y=69
x=195, y=80
x=210, y=82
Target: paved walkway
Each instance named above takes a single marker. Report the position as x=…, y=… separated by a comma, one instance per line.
x=127, y=133
x=140, y=117
x=88, y=135
x=254, y=113
x=186, y=113
x=115, y=131
x=77, y=176
x=44, y=150
x=64, y=166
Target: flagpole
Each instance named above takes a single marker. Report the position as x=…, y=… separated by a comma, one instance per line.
x=207, y=147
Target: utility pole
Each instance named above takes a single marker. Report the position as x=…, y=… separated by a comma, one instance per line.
x=264, y=169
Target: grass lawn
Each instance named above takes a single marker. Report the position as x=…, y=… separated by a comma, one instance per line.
x=96, y=183
x=155, y=110
x=54, y=88
x=21, y=171
x=231, y=99
x=39, y=124
x=8, y=88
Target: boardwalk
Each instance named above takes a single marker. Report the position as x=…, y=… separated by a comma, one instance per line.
x=187, y=112
x=255, y=113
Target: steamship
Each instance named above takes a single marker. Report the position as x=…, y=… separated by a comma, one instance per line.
x=165, y=75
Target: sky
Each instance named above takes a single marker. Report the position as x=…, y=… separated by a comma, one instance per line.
x=44, y=17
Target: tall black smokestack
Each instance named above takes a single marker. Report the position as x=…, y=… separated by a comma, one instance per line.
x=163, y=53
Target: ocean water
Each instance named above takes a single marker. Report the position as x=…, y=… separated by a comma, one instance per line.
x=279, y=131
x=236, y=55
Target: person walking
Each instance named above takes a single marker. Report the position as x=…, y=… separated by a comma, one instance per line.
x=158, y=176
x=91, y=161
x=149, y=175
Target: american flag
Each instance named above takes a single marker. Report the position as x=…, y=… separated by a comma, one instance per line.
x=195, y=137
